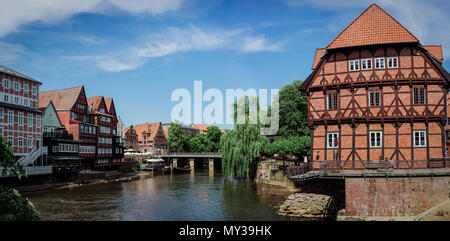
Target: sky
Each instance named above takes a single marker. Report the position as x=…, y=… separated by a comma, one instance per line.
x=139, y=51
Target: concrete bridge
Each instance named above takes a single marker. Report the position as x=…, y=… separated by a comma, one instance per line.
x=174, y=157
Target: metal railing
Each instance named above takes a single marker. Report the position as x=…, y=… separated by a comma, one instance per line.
x=301, y=169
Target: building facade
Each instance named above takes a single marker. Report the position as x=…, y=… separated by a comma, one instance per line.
x=131, y=138
x=151, y=138
x=20, y=117
x=377, y=93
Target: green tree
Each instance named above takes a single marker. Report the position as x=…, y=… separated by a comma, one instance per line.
x=177, y=139
x=13, y=206
x=241, y=147
x=199, y=143
x=293, y=111
x=213, y=134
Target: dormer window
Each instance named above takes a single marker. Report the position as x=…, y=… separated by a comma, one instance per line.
x=392, y=62
x=353, y=65
x=379, y=63
x=366, y=64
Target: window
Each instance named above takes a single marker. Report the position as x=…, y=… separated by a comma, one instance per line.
x=419, y=139
x=392, y=62
x=30, y=120
x=25, y=87
x=10, y=117
x=374, y=98
x=11, y=140
x=16, y=100
x=34, y=90
x=379, y=63
x=6, y=83
x=20, y=141
x=25, y=102
x=333, y=141
x=353, y=65
x=6, y=98
x=366, y=64
x=419, y=96
x=73, y=116
x=30, y=142
x=1, y=112
x=38, y=121
x=375, y=139
x=332, y=101
x=16, y=86
x=20, y=118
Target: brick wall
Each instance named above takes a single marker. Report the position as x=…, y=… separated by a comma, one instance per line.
x=394, y=196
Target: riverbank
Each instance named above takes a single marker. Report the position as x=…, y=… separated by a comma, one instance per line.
x=119, y=177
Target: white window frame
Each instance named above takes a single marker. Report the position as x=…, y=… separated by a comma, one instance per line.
x=351, y=63
x=2, y=112
x=30, y=141
x=20, y=141
x=38, y=121
x=10, y=117
x=21, y=119
x=25, y=88
x=6, y=83
x=30, y=120
x=420, y=135
x=34, y=92
x=391, y=64
x=334, y=136
x=378, y=139
x=365, y=62
x=373, y=94
x=11, y=140
x=381, y=63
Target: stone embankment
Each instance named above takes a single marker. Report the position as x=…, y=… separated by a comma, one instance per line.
x=305, y=205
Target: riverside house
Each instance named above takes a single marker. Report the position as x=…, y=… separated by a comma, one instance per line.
x=377, y=110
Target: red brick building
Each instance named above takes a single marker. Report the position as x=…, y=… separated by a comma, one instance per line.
x=73, y=111
x=20, y=117
x=131, y=138
x=151, y=138
x=377, y=92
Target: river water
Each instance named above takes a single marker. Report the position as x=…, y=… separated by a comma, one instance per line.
x=190, y=197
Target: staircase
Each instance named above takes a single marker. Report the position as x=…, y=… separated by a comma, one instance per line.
x=31, y=157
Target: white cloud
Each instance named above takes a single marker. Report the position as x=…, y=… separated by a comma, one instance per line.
x=19, y=12
x=197, y=39
x=113, y=65
x=11, y=53
x=427, y=20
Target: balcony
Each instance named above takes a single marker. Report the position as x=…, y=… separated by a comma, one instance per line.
x=57, y=135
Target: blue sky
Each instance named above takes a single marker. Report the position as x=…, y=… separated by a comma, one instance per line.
x=139, y=51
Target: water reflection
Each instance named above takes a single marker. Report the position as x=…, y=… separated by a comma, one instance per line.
x=198, y=196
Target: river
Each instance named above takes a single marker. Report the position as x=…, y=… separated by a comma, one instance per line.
x=184, y=197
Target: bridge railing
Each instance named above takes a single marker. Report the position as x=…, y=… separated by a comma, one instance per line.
x=192, y=153
x=301, y=169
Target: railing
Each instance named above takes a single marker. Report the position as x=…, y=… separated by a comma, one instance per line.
x=31, y=157
x=303, y=168
x=57, y=135
x=329, y=167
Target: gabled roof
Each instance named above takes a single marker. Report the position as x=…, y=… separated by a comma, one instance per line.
x=148, y=128
x=94, y=103
x=108, y=102
x=436, y=51
x=317, y=56
x=63, y=99
x=373, y=26
x=15, y=73
x=202, y=128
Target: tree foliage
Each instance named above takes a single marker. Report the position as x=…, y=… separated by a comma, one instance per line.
x=213, y=134
x=177, y=139
x=241, y=147
x=199, y=143
x=13, y=206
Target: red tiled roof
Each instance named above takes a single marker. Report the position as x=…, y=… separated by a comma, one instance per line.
x=317, y=56
x=435, y=50
x=203, y=128
x=96, y=100
x=63, y=99
x=150, y=128
x=108, y=102
x=373, y=26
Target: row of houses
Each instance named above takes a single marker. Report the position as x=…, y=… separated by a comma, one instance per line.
x=152, y=137
x=58, y=130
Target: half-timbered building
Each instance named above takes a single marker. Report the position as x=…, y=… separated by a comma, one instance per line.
x=376, y=92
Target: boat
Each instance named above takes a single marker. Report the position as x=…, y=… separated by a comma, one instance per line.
x=153, y=165
x=184, y=169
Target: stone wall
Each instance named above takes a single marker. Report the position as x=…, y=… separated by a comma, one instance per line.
x=268, y=172
x=394, y=196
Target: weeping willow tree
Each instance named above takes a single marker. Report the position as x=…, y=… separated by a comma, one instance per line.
x=241, y=147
